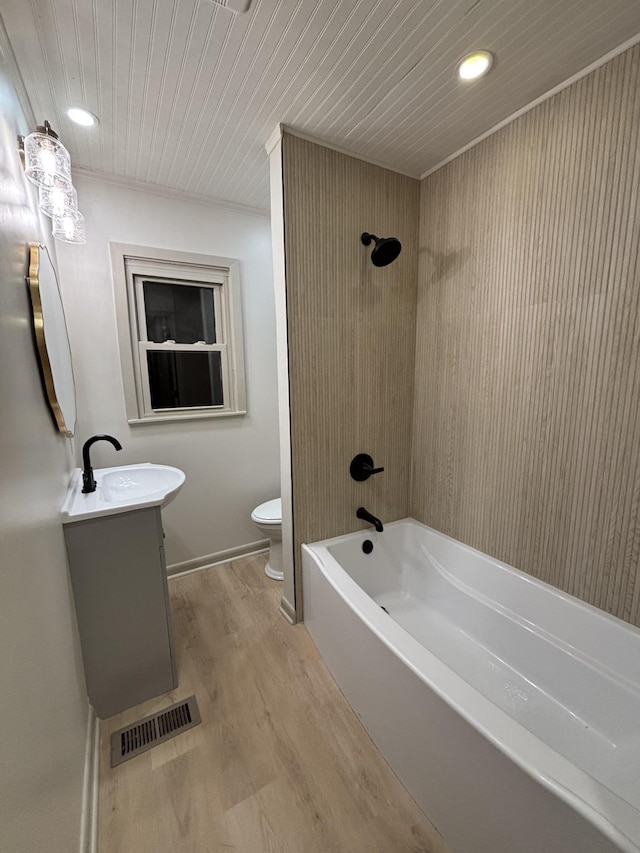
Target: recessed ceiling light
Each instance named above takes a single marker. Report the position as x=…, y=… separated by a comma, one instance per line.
x=475, y=65
x=82, y=117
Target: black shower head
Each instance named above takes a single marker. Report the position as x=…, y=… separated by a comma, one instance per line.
x=385, y=250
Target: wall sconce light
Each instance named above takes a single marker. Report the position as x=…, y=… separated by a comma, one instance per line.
x=58, y=200
x=69, y=228
x=47, y=165
x=47, y=161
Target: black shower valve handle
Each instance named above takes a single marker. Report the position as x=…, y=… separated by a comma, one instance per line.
x=362, y=467
x=371, y=470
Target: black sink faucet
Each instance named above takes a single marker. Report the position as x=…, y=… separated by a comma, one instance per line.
x=88, y=482
x=365, y=515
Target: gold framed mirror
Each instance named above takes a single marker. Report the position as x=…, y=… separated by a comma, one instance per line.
x=51, y=339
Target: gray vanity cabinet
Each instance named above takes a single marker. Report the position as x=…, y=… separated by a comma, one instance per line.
x=120, y=589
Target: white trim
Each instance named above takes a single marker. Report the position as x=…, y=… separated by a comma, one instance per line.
x=288, y=611
x=89, y=815
x=168, y=192
x=187, y=567
x=273, y=139
x=287, y=128
x=282, y=352
x=128, y=262
x=533, y=104
x=196, y=416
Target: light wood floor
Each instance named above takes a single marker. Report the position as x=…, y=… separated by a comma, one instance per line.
x=280, y=762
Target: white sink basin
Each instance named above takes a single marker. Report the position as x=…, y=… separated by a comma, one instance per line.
x=122, y=489
x=139, y=481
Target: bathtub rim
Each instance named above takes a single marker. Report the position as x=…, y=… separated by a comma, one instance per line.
x=529, y=752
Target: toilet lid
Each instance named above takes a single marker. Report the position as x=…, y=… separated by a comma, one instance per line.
x=269, y=512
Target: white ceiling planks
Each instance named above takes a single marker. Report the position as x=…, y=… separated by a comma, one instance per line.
x=187, y=92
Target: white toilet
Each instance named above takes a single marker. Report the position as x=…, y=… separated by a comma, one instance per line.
x=268, y=517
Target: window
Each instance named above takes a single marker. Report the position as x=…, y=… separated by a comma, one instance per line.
x=180, y=334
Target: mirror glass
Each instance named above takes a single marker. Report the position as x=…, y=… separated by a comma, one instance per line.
x=52, y=340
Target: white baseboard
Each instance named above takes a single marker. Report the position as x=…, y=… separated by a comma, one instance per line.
x=89, y=816
x=209, y=560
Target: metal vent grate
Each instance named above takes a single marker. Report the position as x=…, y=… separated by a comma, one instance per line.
x=133, y=740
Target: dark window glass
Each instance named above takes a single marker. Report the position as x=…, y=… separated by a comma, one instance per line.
x=185, y=379
x=179, y=312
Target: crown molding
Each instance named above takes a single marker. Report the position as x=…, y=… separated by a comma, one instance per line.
x=627, y=45
x=168, y=192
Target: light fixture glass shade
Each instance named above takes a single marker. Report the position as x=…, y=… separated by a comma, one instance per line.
x=58, y=200
x=46, y=160
x=69, y=228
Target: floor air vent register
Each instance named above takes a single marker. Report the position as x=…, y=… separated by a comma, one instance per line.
x=133, y=740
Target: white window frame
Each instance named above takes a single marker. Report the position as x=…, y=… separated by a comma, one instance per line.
x=130, y=265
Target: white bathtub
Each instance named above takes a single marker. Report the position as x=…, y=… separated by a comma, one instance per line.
x=510, y=710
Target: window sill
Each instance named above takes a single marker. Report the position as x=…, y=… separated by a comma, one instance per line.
x=153, y=419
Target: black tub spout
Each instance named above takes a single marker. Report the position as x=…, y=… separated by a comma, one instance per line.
x=365, y=515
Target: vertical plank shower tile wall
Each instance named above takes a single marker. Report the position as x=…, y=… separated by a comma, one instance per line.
x=526, y=430
x=351, y=333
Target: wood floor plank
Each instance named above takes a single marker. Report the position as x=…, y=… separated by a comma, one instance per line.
x=280, y=762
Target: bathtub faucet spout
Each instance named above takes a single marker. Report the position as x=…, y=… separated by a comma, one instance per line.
x=363, y=514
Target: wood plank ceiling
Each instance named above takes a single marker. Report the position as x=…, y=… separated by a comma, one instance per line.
x=188, y=92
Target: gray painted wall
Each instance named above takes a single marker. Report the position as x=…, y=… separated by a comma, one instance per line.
x=43, y=703
x=232, y=464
